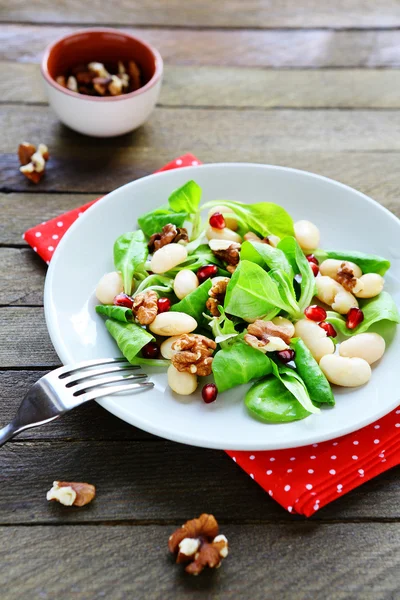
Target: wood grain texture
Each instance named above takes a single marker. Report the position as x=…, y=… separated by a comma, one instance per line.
x=302, y=561
x=238, y=87
x=240, y=48
x=318, y=140
x=155, y=480
x=206, y=13
x=22, y=275
x=24, y=340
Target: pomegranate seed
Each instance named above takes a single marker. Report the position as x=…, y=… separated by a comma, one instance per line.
x=329, y=328
x=150, y=350
x=314, y=268
x=315, y=313
x=217, y=221
x=311, y=259
x=123, y=300
x=286, y=356
x=205, y=272
x=163, y=304
x=355, y=316
x=209, y=393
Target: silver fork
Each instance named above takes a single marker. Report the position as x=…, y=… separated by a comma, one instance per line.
x=68, y=387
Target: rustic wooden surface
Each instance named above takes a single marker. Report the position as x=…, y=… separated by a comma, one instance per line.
x=310, y=84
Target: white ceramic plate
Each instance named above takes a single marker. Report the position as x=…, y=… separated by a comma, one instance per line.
x=347, y=220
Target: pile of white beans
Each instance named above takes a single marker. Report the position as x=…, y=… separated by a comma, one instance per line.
x=351, y=366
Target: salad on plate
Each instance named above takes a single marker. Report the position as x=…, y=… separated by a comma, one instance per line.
x=245, y=296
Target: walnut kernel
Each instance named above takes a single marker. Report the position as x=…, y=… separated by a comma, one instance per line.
x=193, y=353
x=33, y=162
x=71, y=493
x=169, y=234
x=145, y=307
x=266, y=336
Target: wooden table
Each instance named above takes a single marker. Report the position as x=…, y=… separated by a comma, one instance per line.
x=310, y=84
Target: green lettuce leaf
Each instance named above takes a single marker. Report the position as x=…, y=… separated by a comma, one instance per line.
x=265, y=255
x=119, y=313
x=130, y=252
x=380, y=308
x=300, y=265
x=238, y=364
x=263, y=218
x=270, y=401
x=130, y=337
x=315, y=381
x=296, y=386
x=194, y=304
x=253, y=294
x=223, y=329
x=154, y=221
x=186, y=198
x=368, y=263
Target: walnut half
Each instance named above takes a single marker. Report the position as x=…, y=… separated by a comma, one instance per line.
x=145, y=307
x=33, y=162
x=266, y=336
x=169, y=234
x=197, y=542
x=71, y=493
x=217, y=295
x=193, y=353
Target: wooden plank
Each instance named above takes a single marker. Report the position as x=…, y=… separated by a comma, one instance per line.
x=206, y=13
x=302, y=560
x=24, y=340
x=88, y=422
x=22, y=211
x=157, y=480
x=238, y=87
x=22, y=275
x=282, y=48
x=300, y=138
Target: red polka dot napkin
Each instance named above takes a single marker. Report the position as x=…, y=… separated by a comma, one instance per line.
x=302, y=480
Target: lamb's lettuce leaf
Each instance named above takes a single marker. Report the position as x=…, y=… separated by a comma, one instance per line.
x=223, y=329
x=315, y=381
x=263, y=218
x=300, y=265
x=380, y=308
x=253, y=294
x=130, y=253
x=368, y=263
x=159, y=283
x=238, y=364
x=270, y=401
x=294, y=383
x=194, y=304
x=186, y=198
x=119, y=313
x=130, y=339
x=154, y=221
x=266, y=256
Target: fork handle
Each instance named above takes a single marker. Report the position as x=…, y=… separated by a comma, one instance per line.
x=8, y=432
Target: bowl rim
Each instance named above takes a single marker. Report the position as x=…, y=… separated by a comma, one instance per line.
x=159, y=65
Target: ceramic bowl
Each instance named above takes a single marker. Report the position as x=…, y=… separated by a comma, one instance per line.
x=97, y=116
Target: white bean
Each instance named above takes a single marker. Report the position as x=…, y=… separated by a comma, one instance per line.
x=285, y=324
x=172, y=323
x=344, y=301
x=372, y=285
x=229, y=216
x=327, y=288
x=222, y=234
x=273, y=240
x=181, y=382
x=307, y=235
x=166, y=347
x=185, y=282
x=369, y=346
x=166, y=258
x=109, y=286
x=331, y=266
x=315, y=338
x=345, y=371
